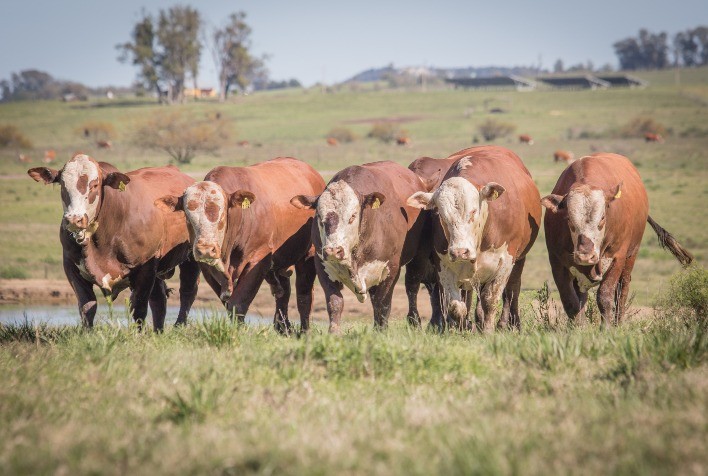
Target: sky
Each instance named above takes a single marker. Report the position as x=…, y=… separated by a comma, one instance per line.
x=329, y=41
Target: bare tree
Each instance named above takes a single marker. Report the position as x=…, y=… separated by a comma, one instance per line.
x=231, y=49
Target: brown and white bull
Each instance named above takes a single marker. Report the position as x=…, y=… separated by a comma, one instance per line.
x=364, y=232
x=594, y=226
x=488, y=218
x=113, y=237
x=244, y=230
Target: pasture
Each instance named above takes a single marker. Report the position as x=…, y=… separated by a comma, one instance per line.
x=218, y=398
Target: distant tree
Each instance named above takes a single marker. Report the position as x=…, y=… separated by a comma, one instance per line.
x=558, y=66
x=691, y=47
x=167, y=51
x=141, y=51
x=231, y=49
x=647, y=51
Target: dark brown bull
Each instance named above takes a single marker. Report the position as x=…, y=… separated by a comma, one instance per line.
x=594, y=226
x=113, y=237
x=364, y=232
x=488, y=216
x=244, y=230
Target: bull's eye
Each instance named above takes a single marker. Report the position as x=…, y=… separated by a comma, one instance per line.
x=351, y=220
x=601, y=225
x=472, y=215
x=572, y=227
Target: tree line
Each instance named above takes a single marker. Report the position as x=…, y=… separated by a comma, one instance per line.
x=649, y=50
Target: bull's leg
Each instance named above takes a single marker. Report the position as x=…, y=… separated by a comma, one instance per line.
x=491, y=293
x=381, y=296
x=510, y=312
x=305, y=275
x=246, y=288
x=565, y=284
x=436, y=303
x=625, y=279
x=142, y=280
x=607, y=293
x=412, y=282
x=83, y=290
x=158, y=304
x=583, y=302
x=188, y=286
x=456, y=306
x=280, y=318
x=333, y=297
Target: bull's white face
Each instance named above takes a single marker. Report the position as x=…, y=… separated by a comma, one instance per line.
x=586, y=210
x=338, y=217
x=463, y=212
x=81, y=192
x=205, y=205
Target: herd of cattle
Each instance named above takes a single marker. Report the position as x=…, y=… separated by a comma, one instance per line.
x=459, y=224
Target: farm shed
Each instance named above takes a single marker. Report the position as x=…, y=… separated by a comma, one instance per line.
x=625, y=80
x=586, y=81
x=492, y=82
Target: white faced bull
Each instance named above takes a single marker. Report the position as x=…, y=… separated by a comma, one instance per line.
x=463, y=212
x=82, y=181
x=586, y=211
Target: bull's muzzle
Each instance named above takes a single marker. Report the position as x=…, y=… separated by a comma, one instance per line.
x=205, y=251
x=334, y=253
x=461, y=254
x=585, y=254
x=76, y=222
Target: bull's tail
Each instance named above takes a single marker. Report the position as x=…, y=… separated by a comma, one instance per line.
x=666, y=240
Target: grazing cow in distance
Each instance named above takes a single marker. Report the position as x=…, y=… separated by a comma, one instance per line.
x=363, y=234
x=594, y=225
x=23, y=158
x=652, y=137
x=243, y=143
x=563, y=156
x=244, y=231
x=49, y=156
x=404, y=140
x=104, y=144
x=526, y=139
x=332, y=141
x=488, y=218
x=113, y=237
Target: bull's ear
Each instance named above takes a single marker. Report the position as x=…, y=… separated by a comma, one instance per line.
x=553, y=202
x=241, y=198
x=422, y=200
x=304, y=201
x=116, y=180
x=44, y=174
x=614, y=193
x=373, y=200
x=491, y=191
x=169, y=203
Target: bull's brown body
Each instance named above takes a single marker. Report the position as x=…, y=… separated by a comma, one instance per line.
x=627, y=212
x=135, y=245
x=265, y=239
x=513, y=222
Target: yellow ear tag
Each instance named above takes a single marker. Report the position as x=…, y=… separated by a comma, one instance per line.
x=246, y=203
x=495, y=195
x=121, y=187
x=618, y=194
x=376, y=204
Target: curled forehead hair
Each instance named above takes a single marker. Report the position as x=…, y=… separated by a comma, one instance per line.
x=590, y=202
x=337, y=195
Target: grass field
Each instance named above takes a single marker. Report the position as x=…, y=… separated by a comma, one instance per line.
x=220, y=399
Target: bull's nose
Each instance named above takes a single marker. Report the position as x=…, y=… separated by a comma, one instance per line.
x=207, y=250
x=460, y=254
x=585, y=258
x=77, y=221
x=334, y=252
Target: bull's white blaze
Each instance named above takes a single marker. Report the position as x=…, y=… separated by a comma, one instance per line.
x=79, y=205
x=586, y=208
x=341, y=200
x=462, y=214
x=200, y=196
x=463, y=163
x=360, y=281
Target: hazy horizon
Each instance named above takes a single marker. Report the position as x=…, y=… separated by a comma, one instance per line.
x=317, y=41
